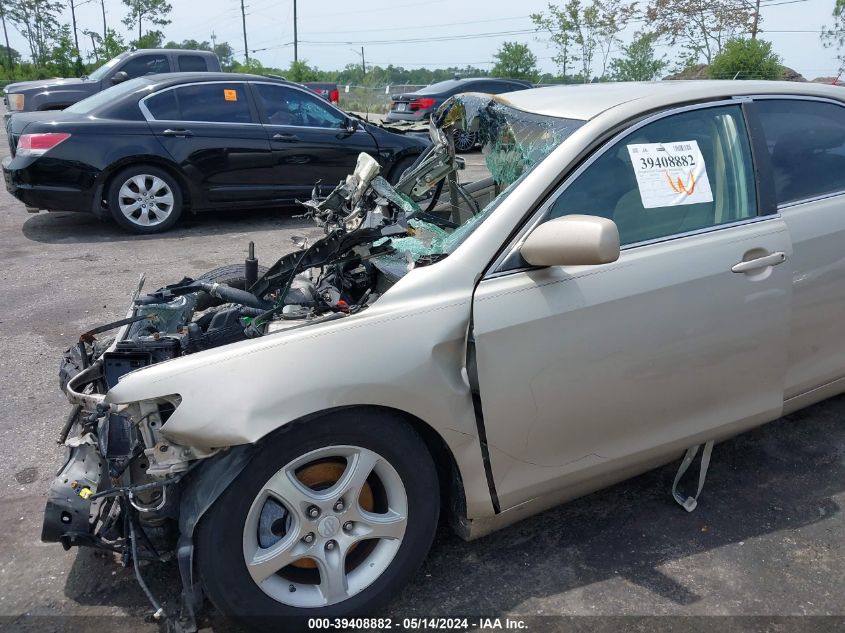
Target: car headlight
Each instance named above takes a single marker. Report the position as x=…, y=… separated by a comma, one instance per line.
x=15, y=102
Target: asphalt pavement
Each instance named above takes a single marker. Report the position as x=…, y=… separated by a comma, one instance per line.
x=766, y=539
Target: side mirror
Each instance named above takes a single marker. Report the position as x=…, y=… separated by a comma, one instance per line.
x=572, y=240
x=119, y=77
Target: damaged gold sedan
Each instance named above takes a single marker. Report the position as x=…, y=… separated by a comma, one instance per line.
x=632, y=280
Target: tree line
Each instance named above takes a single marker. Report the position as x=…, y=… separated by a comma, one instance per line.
x=585, y=36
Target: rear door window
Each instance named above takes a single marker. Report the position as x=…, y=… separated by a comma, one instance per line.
x=806, y=142
x=212, y=102
x=192, y=63
x=217, y=103
x=146, y=65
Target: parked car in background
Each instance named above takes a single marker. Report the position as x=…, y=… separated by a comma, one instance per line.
x=418, y=106
x=328, y=91
x=654, y=266
x=152, y=147
x=57, y=94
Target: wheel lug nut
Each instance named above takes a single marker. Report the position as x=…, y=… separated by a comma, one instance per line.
x=313, y=512
x=330, y=545
x=338, y=506
x=308, y=538
x=347, y=527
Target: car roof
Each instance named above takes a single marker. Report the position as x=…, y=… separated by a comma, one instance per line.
x=170, y=50
x=585, y=101
x=194, y=77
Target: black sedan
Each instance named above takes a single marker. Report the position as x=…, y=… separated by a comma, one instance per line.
x=150, y=148
x=418, y=106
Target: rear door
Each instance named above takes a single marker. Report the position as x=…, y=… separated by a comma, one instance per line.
x=309, y=138
x=211, y=130
x=586, y=371
x=805, y=139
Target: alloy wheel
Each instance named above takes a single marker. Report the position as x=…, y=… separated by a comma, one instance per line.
x=465, y=141
x=325, y=526
x=145, y=200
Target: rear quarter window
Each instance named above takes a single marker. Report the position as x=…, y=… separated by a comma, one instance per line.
x=192, y=63
x=163, y=106
x=806, y=143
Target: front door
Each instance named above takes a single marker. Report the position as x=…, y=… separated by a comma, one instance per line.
x=310, y=139
x=211, y=130
x=585, y=371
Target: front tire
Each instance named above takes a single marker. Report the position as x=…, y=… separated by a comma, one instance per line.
x=144, y=199
x=329, y=519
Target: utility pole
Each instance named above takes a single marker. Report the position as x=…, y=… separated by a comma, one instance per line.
x=756, y=20
x=295, y=39
x=138, y=5
x=105, y=24
x=6, y=34
x=363, y=65
x=213, y=40
x=243, y=19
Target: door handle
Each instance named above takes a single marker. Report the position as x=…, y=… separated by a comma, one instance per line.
x=285, y=138
x=760, y=262
x=179, y=133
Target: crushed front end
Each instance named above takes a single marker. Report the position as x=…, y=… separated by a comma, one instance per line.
x=126, y=485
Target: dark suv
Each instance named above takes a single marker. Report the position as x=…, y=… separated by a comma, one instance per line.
x=57, y=94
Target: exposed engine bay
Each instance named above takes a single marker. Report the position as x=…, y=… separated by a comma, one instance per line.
x=118, y=489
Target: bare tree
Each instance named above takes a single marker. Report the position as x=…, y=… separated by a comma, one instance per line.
x=701, y=27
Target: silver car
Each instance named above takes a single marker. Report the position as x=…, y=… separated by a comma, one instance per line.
x=648, y=268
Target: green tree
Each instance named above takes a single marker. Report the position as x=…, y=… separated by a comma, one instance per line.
x=834, y=36
x=700, y=27
x=638, y=61
x=562, y=31
x=746, y=58
x=517, y=61
x=223, y=50
x=150, y=39
x=582, y=31
x=64, y=56
x=38, y=22
x=155, y=12
x=112, y=46
x=301, y=72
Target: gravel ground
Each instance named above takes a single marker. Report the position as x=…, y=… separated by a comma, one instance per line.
x=766, y=539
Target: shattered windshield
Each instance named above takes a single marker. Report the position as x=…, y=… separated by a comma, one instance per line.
x=512, y=143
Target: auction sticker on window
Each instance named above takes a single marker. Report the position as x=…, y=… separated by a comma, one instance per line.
x=670, y=174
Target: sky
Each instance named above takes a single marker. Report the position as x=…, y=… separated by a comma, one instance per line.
x=331, y=32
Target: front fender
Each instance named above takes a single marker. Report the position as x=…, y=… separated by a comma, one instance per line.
x=389, y=356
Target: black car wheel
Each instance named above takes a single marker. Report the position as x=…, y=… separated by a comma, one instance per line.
x=465, y=141
x=400, y=167
x=330, y=518
x=145, y=199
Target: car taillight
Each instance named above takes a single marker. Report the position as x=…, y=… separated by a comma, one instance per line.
x=39, y=144
x=421, y=104
x=334, y=96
